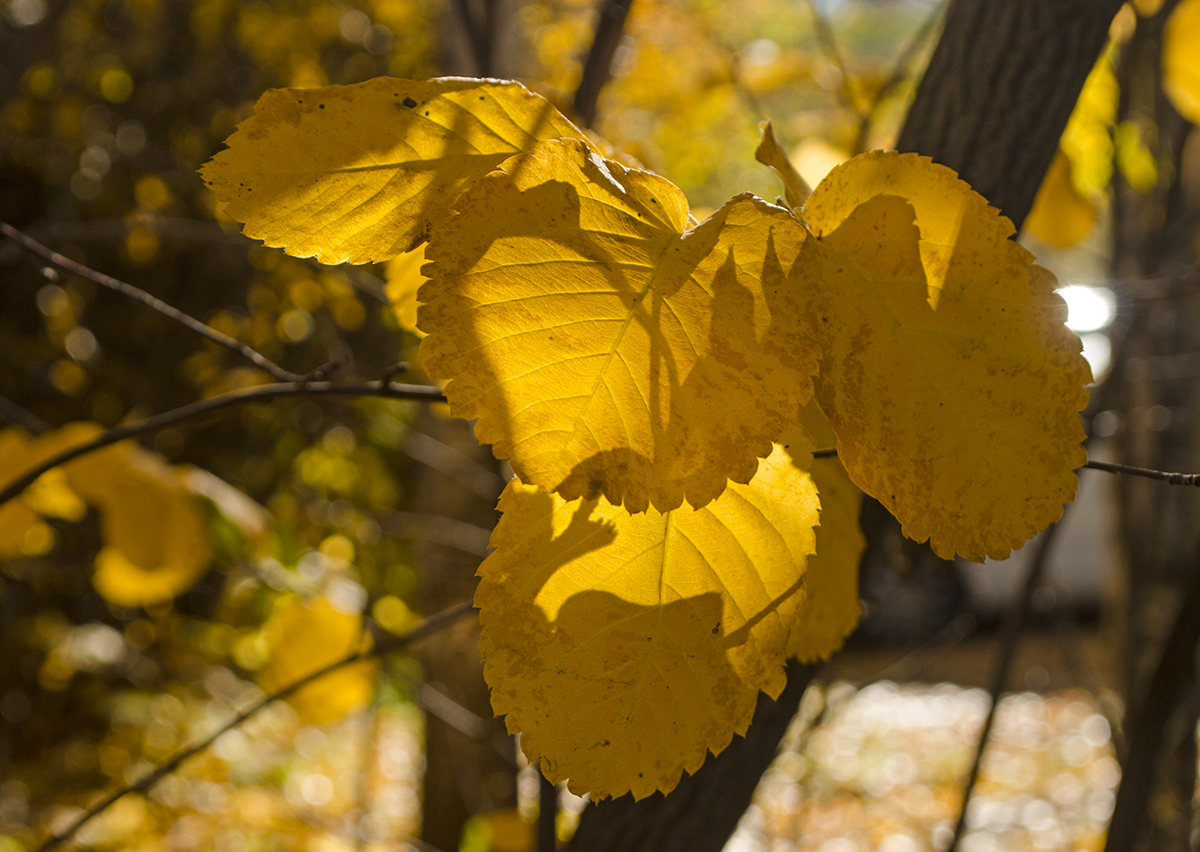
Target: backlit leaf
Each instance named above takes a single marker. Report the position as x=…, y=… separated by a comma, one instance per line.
x=352, y=174
x=404, y=278
x=604, y=347
x=624, y=647
x=16, y=517
x=948, y=375
x=305, y=636
x=1181, y=59
x=831, y=609
x=1060, y=215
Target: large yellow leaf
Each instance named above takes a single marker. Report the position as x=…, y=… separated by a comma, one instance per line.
x=604, y=347
x=1181, y=59
x=624, y=647
x=948, y=375
x=351, y=174
x=307, y=636
x=831, y=609
x=1060, y=215
x=404, y=278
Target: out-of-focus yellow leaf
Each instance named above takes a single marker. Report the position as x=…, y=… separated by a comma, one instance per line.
x=603, y=346
x=352, y=174
x=770, y=153
x=815, y=158
x=16, y=517
x=624, y=647
x=1087, y=140
x=1134, y=159
x=156, y=542
x=307, y=636
x=947, y=373
x=1181, y=59
x=1060, y=215
x=831, y=609
x=404, y=278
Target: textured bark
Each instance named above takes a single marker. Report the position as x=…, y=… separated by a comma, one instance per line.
x=992, y=105
x=704, y=809
x=999, y=90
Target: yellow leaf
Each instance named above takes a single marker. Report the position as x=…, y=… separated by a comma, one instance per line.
x=16, y=517
x=352, y=174
x=1060, y=215
x=156, y=543
x=1181, y=59
x=307, y=636
x=603, y=346
x=1087, y=140
x=831, y=609
x=404, y=278
x=770, y=153
x=624, y=647
x=948, y=375
x=1134, y=159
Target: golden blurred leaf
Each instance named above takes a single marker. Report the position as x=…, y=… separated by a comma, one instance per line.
x=353, y=174
x=831, y=610
x=1087, y=140
x=625, y=647
x=305, y=636
x=948, y=375
x=1181, y=59
x=604, y=347
x=404, y=278
x=1060, y=215
x=156, y=542
x=16, y=516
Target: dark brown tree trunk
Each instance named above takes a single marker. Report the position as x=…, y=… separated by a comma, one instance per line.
x=992, y=106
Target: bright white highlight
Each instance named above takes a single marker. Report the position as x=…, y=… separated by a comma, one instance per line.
x=1088, y=308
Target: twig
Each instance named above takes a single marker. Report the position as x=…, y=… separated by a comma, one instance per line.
x=597, y=68
x=15, y=415
x=206, y=331
x=258, y=393
x=430, y=625
x=899, y=72
x=1159, y=475
x=829, y=44
x=1191, y=479
x=1014, y=624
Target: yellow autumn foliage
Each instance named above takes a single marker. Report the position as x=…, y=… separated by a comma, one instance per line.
x=404, y=278
x=770, y=153
x=1060, y=215
x=625, y=647
x=604, y=346
x=1181, y=59
x=948, y=375
x=353, y=174
x=305, y=636
x=830, y=611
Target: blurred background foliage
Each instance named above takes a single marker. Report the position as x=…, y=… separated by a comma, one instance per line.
x=288, y=534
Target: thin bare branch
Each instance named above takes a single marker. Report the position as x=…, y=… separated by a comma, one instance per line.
x=206, y=331
x=1190, y=479
x=258, y=393
x=597, y=68
x=898, y=75
x=1014, y=625
x=12, y=413
x=828, y=40
x=393, y=643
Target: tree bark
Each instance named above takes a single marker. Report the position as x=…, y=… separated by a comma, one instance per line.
x=999, y=89
x=992, y=105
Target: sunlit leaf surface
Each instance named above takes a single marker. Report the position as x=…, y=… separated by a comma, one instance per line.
x=352, y=174
x=625, y=647
x=948, y=375
x=604, y=346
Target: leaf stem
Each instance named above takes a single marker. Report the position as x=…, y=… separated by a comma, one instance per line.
x=258, y=393
x=429, y=625
x=206, y=331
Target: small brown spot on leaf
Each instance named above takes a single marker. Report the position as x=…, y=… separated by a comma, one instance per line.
x=409, y=102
